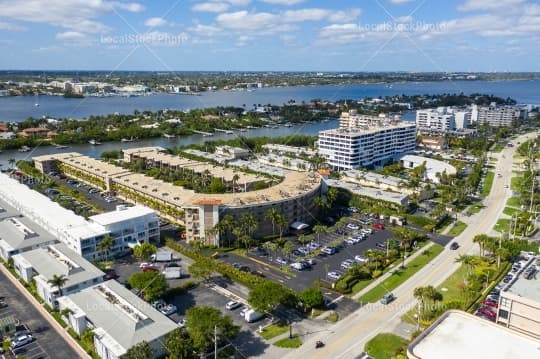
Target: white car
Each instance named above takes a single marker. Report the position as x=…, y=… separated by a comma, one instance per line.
x=144, y=265
x=334, y=275
x=243, y=312
x=22, y=341
x=182, y=323
x=168, y=309
x=350, y=241
x=328, y=250
x=314, y=245
x=353, y=226
x=361, y=259
x=232, y=305
x=346, y=264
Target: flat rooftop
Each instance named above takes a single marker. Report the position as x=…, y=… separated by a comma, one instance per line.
x=526, y=288
x=387, y=196
x=461, y=335
x=119, y=314
x=15, y=236
x=84, y=163
x=369, y=130
x=122, y=213
x=45, y=212
x=58, y=259
x=373, y=177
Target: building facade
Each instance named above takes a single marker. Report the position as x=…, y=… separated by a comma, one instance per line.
x=43, y=264
x=365, y=143
x=442, y=120
x=497, y=116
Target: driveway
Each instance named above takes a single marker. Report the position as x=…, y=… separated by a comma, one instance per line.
x=47, y=344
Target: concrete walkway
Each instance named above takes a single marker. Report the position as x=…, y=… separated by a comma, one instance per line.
x=46, y=315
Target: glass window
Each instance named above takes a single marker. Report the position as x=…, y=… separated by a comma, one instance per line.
x=505, y=302
x=503, y=314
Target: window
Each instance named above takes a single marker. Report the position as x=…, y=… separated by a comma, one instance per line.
x=503, y=314
x=505, y=302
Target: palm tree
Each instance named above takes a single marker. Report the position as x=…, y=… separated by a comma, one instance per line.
x=287, y=249
x=105, y=245
x=467, y=261
x=58, y=281
x=481, y=239
x=282, y=224
x=304, y=239
x=319, y=229
x=249, y=223
x=235, y=179
x=272, y=215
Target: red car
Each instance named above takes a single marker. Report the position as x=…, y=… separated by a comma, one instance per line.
x=489, y=303
x=378, y=226
x=150, y=269
x=487, y=312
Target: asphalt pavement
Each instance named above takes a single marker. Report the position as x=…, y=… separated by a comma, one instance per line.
x=47, y=343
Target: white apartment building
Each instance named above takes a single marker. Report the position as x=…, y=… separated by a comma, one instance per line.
x=118, y=318
x=79, y=234
x=366, y=142
x=43, y=263
x=497, y=116
x=442, y=119
x=129, y=226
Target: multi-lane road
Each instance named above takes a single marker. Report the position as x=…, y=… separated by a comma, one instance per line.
x=348, y=337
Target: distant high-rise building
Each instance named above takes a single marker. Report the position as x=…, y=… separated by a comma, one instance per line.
x=442, y=119
x=497, y=116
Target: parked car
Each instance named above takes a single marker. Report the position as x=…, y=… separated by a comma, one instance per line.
x=489, y=303
x=150, y=268
x=232, y=305
x=454, y=246
x=485, y=311
x=387, y=298
x=346, y=264
x=143, y=264
x=334, y=275
x=310, y=261
x=378, y=226
x=353, y=226
x=182, y=323
x=299, y=265
x=22, y=341
x=328, y=250
x=350, y=241
x=281, y=260
x=258, y=273
x=304, y=250
x=168, y=309
x=243, y=311
x=314, y=245
x=361, y=259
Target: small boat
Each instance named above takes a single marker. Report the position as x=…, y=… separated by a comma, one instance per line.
x=36, y=104
x=287, y=125
x=168, y=136
x=59, y=147
x=24, y=149
x=127, y=140
x=94, y=142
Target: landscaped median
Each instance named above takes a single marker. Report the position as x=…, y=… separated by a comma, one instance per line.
x=273, y=330
x=488, y=183
x=399, y=275
x=457, y=229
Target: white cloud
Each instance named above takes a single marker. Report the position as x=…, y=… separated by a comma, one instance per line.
x=76, y=15
x=243, y=40
x=471, y=5
x=283, y=2
x=211, y=7
x=314, y=14
x=155, y=22
x=71, y=36
x=206, y=30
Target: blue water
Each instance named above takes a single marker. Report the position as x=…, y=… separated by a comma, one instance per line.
x=20, y=108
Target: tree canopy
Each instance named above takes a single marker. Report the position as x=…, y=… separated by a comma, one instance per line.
x=140, y=351
x=144, y=251
x=266, y=296
x=200, y=322
x=152, y=284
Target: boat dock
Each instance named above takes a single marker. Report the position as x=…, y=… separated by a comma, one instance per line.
x=205, y=134
x=228, y=132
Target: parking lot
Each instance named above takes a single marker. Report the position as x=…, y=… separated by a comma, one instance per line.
x=48, y=343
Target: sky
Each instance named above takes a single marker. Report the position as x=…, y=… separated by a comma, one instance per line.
x=271, y=35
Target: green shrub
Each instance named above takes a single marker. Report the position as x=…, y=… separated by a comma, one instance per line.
x=376, y=274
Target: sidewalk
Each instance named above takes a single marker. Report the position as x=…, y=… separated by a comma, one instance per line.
x=379, y=280
x=48, y=317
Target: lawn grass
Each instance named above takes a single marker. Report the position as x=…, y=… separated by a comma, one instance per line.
x=332, y=317
x=457, y=229
x=385, y=345
x=475, y=208
x=502, y=225
x=514, y=183
x=401, y=275
x=295, y=342
x=488, y=182
x=511, y=211
x=452, y=291
x=498, y=147
x=514, y=202
x=360, y=285
x=274, y=330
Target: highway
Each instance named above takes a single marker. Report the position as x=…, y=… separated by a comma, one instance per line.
x=346, y=339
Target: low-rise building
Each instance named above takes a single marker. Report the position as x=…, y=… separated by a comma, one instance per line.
x=37, y=132
x=282, y=150
x=519, y=301
x=232, y=152
x=457, y=334
x=434, y=167
x=42, y=264
x=436, y=143
x=118, y=318
x=129, y=226
x=18, y=234
x=81, y=235
x=397, y=198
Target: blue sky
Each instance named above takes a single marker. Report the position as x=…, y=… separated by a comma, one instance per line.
x=296, y=35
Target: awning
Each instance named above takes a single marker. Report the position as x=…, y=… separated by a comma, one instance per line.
x=299, y=225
